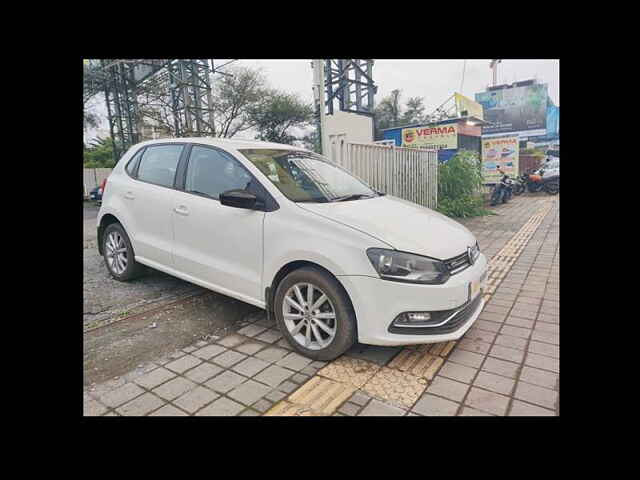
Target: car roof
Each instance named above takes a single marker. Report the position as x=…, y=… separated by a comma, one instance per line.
x=224, y=143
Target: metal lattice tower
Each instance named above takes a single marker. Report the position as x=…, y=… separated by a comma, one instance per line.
x=122, y=108
x=351, y=82
x=188, y=82
x=191, y=99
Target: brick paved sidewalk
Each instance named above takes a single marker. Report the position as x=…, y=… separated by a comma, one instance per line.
x=506, y=364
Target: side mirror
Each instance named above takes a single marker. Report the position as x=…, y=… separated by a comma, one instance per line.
x=239, y=199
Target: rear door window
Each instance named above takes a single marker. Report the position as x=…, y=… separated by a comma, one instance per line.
x=159, y=163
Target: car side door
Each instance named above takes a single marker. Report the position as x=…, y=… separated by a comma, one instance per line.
x=149, y=200
x=217, y=245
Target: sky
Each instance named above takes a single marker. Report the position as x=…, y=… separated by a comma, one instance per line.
x=434, y=80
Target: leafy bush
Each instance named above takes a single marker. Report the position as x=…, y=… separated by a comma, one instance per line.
x=99, y=154
x=459, y=186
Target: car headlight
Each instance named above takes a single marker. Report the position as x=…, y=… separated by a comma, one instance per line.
x=475, y=252
x=407, y=267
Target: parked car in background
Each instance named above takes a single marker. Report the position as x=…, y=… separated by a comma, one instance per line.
x=282, y=228
x=551, y=168
x=96, y=194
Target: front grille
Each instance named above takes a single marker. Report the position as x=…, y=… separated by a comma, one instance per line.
x=465, y=312
x=458, y=264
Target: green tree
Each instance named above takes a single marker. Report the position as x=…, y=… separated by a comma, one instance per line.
x=232, y=94
x=99, y=153
x=311, y=141
x=277, y=113
x=414, y=111
x=387, y=112
x=235, y=98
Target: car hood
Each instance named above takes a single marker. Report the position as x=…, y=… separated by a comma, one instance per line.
x=404, y=225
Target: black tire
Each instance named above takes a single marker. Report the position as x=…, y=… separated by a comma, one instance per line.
x=495, y=197
x=133, y=268
x=345, y=321
x=552, y=188
x=518, y=189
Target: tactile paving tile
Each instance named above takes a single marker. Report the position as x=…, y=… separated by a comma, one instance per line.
x=419, y=364
x=396, y=387
x=287, y=409
x=322, y=395
x=352, y=371
x=439, y=349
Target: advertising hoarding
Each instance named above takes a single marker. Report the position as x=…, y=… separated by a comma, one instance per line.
x=439, y=136
x=467, y=107
x=502, y=153
x=514, y=109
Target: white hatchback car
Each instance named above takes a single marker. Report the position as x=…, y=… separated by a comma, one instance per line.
x=282, y=228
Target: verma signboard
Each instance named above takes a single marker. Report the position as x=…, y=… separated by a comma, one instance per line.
x=515, y=109
x=499, y=153
x=440, y=136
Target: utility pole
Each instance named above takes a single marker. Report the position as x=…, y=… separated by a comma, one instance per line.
x=318, y=86
x=494, y=66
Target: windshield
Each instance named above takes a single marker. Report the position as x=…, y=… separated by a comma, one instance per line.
x=307, y=177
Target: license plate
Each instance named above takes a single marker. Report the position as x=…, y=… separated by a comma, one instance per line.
x=476, y=286
x=474, y=289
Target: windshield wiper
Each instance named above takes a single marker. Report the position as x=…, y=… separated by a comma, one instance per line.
x=352, y=196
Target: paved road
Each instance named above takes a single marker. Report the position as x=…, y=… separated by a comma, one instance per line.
x=506, y=364
x=128, y=323
x=106, y=299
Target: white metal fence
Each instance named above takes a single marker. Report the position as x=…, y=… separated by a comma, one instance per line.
x=407, y=173
x=93, y=177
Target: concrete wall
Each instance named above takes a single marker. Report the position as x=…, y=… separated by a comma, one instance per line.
x=350, y=127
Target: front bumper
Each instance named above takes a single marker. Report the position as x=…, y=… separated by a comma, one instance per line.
x=378, y=302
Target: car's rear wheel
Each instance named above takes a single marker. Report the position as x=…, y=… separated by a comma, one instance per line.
x=314, y=314
x=118, y=254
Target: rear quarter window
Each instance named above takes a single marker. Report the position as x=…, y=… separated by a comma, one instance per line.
x=131, y=164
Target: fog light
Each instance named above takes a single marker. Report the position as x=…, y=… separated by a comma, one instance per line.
x=412, y=319
x=418, y=317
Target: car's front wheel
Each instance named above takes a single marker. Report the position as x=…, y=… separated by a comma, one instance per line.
x=118, y=253
x=314, y=314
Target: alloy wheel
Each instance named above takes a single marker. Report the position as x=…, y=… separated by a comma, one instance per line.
x=309, y=316
x=116, y=251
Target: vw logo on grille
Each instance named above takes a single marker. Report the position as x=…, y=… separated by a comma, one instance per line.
x=470, y=255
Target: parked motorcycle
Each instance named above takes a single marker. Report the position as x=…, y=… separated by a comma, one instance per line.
x=502, y=190
x=537, y=181
x=519, y=185
x=534, y=181
x=551, y=184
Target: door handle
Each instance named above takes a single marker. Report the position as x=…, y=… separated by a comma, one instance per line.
x=181, y=210
x=129, y=196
